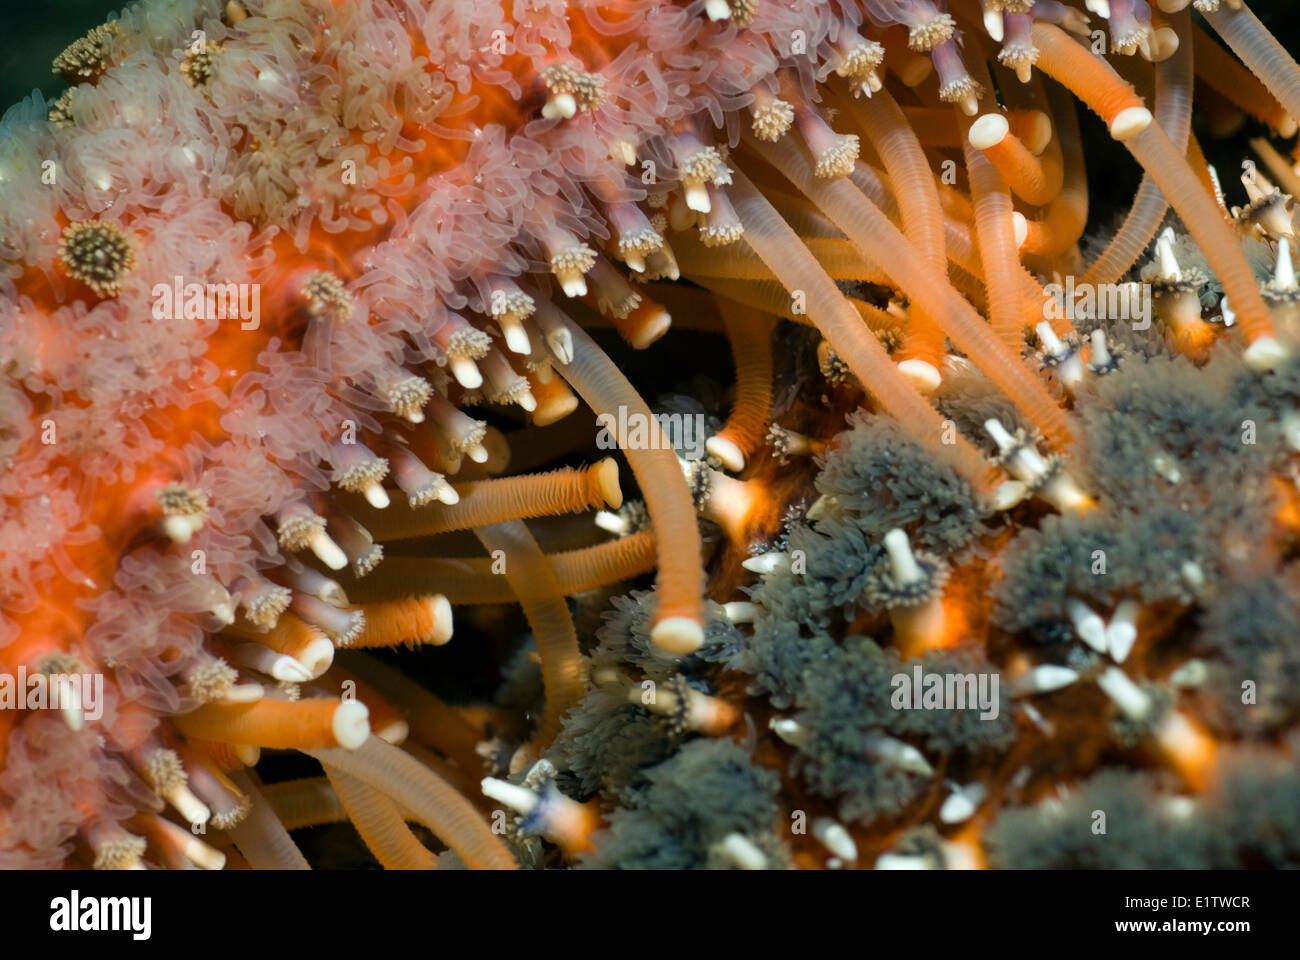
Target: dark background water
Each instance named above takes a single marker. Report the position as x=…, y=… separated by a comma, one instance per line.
x=32, y=32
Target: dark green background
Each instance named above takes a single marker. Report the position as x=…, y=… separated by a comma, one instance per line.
x=32, y=32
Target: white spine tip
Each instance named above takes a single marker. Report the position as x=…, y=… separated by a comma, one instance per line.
x=1051, y=342
x=203, y=856
x=988, y=131
x=69, y=692
x=1291, y=431
x=73, y=717
x=1046, y=678
x=901, y=558
x=395, y=733
x=1090, y=627
x=1264, y=354
x=607, y=478
x=789, y=731
x=1169, y=268
x=835, y=838
x=892, y=861
x=902, y=755
x=1166, y=43
x=317, y=657
x=224, y=611
x=765, y=562
x=561, y=344
x=1100, y=352
x=562, y=105
x=376, y=496
x=278, y=666
x=1128, y=123
x=1001, y=437
x=351, y=725
x=611, y=522
x=993, y=25
x=517, y=338
x=244, y=693
x=717, y=10
x=959, y=856
x=574, y=285
x=921, y=375
x=697, y=198
x=466, y=373
x=440, y=615
x=725, y=450
x=1193, y=673
x=178, y=528
x=517, y=798
x=821, y=507
x=1009, y=494
x=742, y=852
x=1070, y=372
x=1284, y=275
x=740, y=612
x=1020, y=226
x=1126, y=694
x=677, y=635
x=1229, y=315
x=1192, y=575
x=327, y=551
x=1122, y=632
x=190, y=807
x=961, y=804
